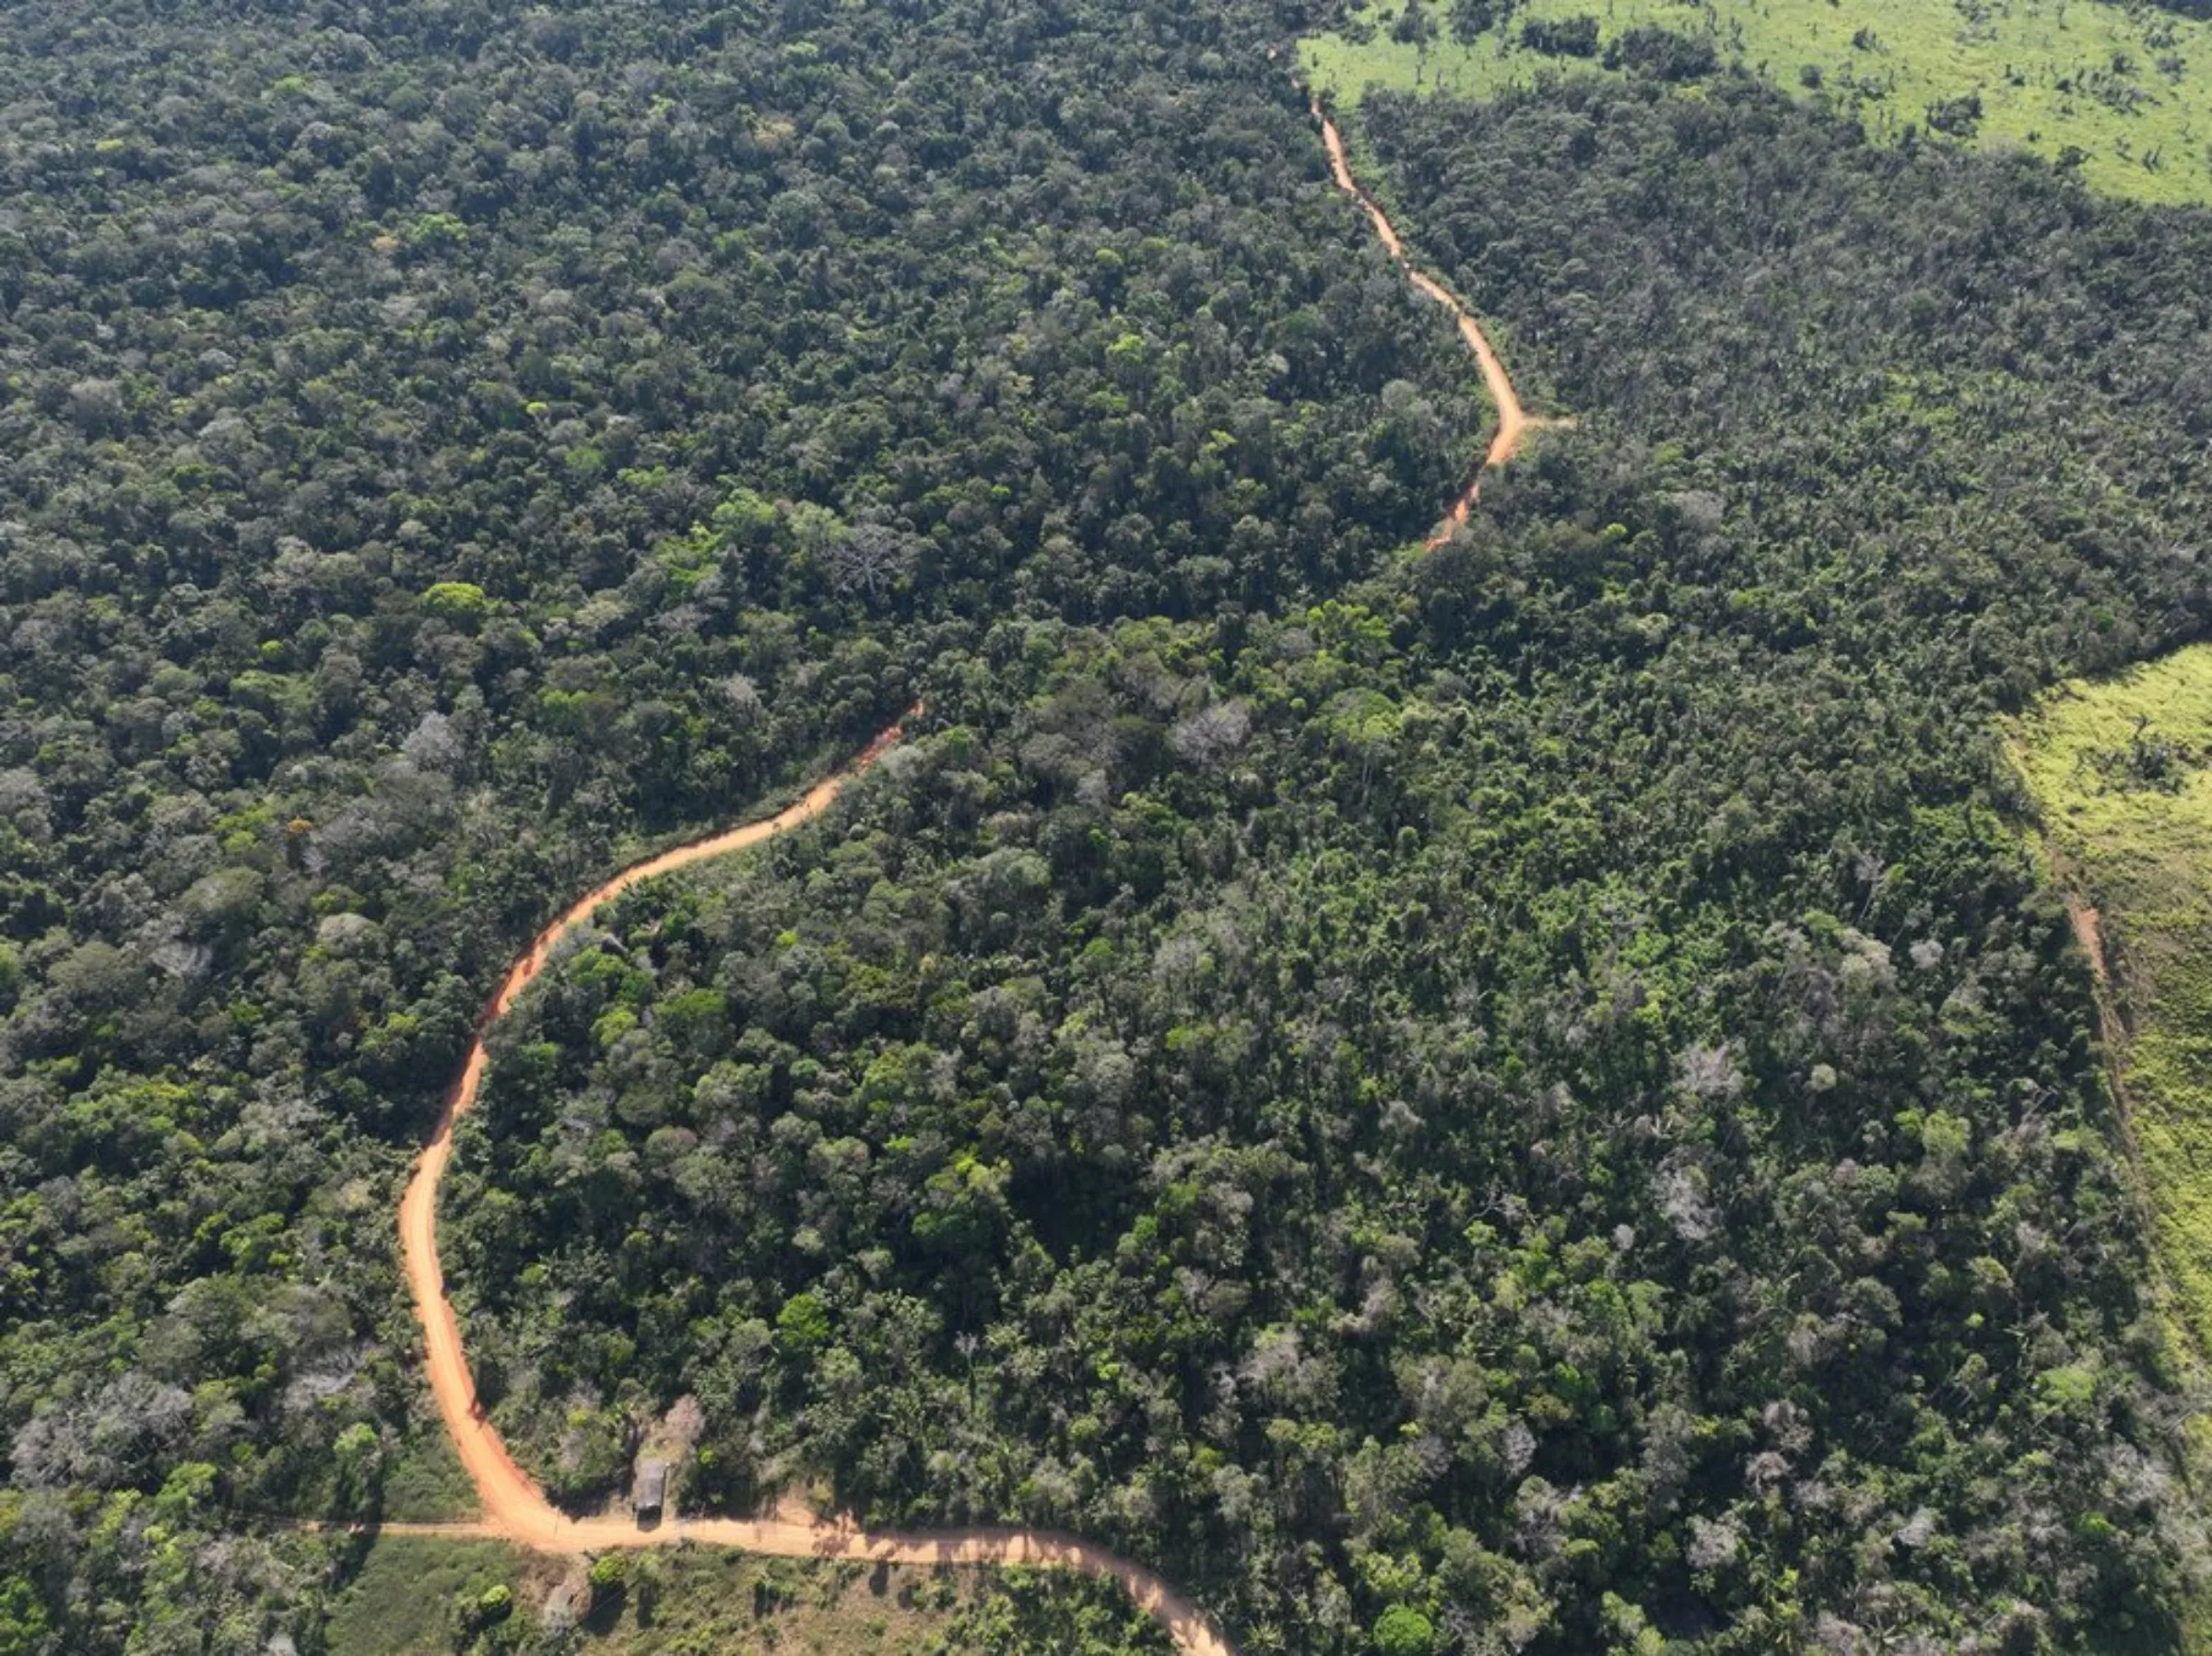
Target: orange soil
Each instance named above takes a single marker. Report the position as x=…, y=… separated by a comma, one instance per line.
x=2089, y=930
x=1515, y=422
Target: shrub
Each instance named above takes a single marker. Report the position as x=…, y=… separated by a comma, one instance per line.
x=1402, y=1630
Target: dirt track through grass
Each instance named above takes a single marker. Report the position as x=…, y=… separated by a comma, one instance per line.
x=2121, y=771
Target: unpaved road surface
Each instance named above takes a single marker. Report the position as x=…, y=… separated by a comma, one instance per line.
x=1514, y=421
x=516, y=1510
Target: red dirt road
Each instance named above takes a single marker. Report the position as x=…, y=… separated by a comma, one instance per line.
x=1515, y=422
x=515, y=1509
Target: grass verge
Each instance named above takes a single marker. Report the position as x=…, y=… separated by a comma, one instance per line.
x=427, y=1483
x=421, y=1595
x=2121, y=772
x=400, y=1602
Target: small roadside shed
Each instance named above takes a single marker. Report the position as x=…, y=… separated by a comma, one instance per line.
x=649, y=1489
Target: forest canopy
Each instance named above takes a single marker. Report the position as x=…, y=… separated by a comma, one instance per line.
x=1543, y=1094
x=1523, y=1095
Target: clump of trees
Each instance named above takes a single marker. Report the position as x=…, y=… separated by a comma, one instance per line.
x=1663, y=54
x=1563, y=37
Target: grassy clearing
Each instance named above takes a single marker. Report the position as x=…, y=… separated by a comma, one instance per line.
x=706, y=1604
x=398, y=1604
x=2122, y=774
x=2129, y=89
x=417, y=1595
x=414, y=1594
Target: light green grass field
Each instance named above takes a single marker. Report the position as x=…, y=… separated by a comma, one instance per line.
x=2122, y=776
x=2129, y=89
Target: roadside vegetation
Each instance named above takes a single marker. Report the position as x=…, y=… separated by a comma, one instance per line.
x=2120, y=93
x=416, y=1596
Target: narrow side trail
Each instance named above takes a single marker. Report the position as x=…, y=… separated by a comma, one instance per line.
x=516, y=1510
x=1515, y=422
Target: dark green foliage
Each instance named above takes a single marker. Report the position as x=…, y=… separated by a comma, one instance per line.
x=1469, y=18
x=1570, y=37
x=1955, y=117
x=1414, y=23
x=1541, y=1092
x=1955, y=442
x=1525, y=1092
x=1662, y=53
x=446, y=446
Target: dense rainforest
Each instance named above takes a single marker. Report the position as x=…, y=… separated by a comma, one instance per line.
x=1522, y=1097
x=1540, y=1090
x=446, y=443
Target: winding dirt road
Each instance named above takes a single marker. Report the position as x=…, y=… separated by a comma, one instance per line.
x=515, y=1509
x=1515, y=423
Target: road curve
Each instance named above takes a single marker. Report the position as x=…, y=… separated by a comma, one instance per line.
x=1515, y=422
x=516, y=1510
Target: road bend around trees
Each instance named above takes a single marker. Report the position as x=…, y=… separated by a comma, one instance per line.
x=1515, y=422
x=514, y=1508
